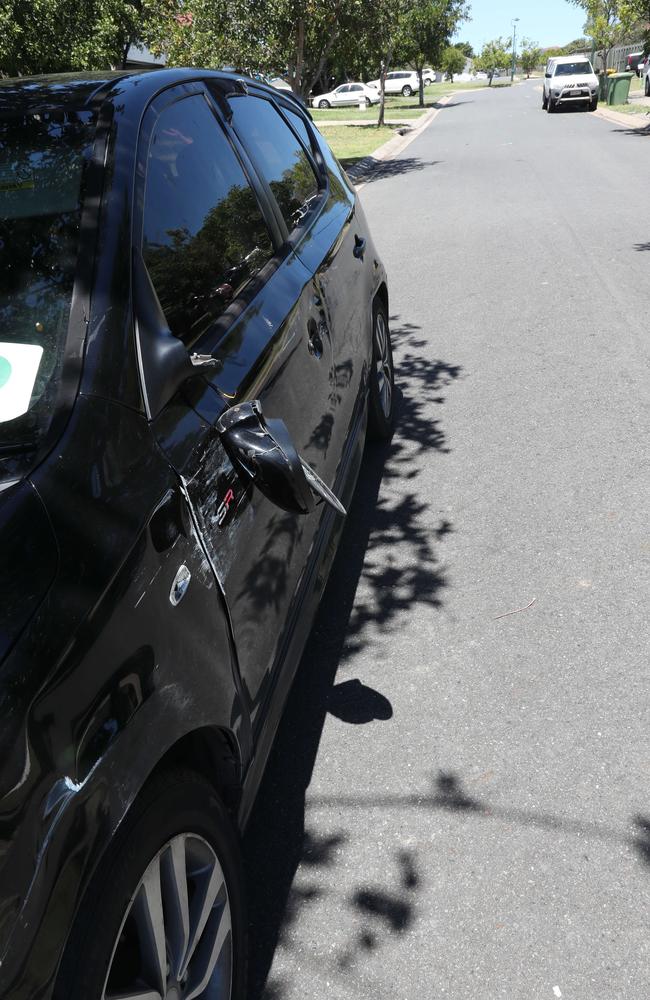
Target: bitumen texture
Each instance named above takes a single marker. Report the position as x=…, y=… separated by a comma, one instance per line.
x=458, y=803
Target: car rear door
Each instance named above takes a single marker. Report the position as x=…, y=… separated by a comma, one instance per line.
x=213, y=243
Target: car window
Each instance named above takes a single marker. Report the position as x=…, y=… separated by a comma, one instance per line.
x=342, y=90
x=277, y=155
x=356, y=86
x=573, y=69
x=204, y=235
x=299, y=124
x=43, y=160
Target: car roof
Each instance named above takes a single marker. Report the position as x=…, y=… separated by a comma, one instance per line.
x=91, y=89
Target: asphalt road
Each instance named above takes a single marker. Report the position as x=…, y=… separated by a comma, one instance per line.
x=458, y=804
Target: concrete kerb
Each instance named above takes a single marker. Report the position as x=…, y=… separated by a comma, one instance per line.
x=363, y=169
x=631, y=121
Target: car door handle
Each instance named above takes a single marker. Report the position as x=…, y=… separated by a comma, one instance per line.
x=359, y=247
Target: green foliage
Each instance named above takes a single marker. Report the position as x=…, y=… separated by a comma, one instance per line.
x=47, y=36
x=453, y=61
x=609, y=22
x=530, y=56
x=467, y=49
x=425, y=30
x=493, y=56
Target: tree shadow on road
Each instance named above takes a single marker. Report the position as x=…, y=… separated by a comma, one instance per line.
x=388, y=561
x=370, y=169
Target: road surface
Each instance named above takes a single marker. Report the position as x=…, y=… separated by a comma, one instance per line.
x=458, y=804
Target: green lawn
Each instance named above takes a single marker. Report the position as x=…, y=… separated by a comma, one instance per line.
x=352, y=142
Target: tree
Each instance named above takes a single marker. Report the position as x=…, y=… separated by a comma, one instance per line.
x=425, y=30
x=467, y=49
x=530, y=56
x=609, y=23
x=493, y=56
x=49, y=36
x=453, y=61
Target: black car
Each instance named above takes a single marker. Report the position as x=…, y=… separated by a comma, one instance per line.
x=194, y=341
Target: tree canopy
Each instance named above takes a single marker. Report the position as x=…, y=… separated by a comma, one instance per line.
x=453, y=61
x=494, y=55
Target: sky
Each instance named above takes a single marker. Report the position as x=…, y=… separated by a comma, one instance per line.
x=547, y=22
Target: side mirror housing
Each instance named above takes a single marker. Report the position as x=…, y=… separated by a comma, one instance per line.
x=262, y=450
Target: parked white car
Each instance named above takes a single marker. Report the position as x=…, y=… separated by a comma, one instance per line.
x=569, y=80
x=400, y=81
x=346, y=94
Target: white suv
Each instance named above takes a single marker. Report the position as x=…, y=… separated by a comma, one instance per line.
x=569, y=80
x=404, y=82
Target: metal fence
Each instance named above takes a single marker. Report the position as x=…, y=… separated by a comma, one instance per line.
x=616, y=58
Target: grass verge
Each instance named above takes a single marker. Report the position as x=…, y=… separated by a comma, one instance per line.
x=627, y=109
x=396, y=107
x=351, y=143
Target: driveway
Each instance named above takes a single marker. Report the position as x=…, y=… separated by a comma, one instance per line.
x=458, y=803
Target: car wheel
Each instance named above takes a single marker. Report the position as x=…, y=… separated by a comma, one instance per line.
x=550, y=105
x=406, y=91
x=323, y=104
x=164, y=915
x=646, y=87
x=593, y=104
x=544, y=101
x=368, y=102
x=381, y=399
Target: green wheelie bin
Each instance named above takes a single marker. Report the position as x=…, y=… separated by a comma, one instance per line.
x=619, y=88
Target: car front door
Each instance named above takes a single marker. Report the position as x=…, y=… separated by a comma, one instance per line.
x=341, y=95
x=213, y=246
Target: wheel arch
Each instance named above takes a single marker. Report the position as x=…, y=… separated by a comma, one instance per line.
x=382, y=295
x=212, y=752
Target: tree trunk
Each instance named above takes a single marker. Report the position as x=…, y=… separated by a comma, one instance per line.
x=383, y=69
x=420, y=87
x=296, y=80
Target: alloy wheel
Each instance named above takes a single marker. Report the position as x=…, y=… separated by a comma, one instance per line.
x=175, y=940
x=383, y=364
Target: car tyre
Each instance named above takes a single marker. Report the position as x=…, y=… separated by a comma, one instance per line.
x=550, y=105
x=407, y=91
x=544, y=101
x=646, y=86
x=176, y=844
x=593, y=104
x=381, y=394
x=368, y=102
x=323, y=104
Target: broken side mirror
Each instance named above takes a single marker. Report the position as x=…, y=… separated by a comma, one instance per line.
x=263, y=451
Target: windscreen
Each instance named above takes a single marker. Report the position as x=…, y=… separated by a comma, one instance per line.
x=42, y=161
x=573, y=69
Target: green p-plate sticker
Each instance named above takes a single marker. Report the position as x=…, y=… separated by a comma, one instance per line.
x=5, y=371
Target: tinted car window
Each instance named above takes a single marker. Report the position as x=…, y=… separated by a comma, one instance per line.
x=277, y=155
x=42, y=164
x=204, y=236
x=299, y=125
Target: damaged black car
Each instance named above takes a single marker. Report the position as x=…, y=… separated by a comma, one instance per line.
x=194, y=346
